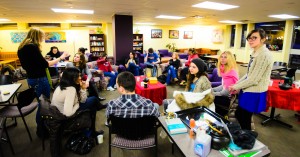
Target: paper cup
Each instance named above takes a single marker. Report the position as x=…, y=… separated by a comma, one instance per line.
x=271, y=83
x=100, y=139
x=297, y=85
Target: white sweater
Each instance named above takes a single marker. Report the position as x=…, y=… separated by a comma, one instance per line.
x=66, y=100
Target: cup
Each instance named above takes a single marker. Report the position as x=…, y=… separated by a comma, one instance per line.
x=138, y=79
x=100, y=139
x=297, y=85
x=271, y=83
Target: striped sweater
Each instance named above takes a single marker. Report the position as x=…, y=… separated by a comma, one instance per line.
x=257, y=78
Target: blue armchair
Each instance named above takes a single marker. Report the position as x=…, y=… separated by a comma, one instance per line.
x=214, y=78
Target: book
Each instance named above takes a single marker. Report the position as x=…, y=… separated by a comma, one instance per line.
x=175, y=126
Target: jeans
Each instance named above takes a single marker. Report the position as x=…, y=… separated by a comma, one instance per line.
x=153, y=67
x=183, y=73
x=112, y=80
x=91, y=104
x=172, y=73
x=134, y=69
x=41, y=86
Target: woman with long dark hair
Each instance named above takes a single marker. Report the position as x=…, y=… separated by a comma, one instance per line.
x=132, y=64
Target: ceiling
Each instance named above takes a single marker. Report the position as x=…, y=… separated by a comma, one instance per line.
x=38, y=11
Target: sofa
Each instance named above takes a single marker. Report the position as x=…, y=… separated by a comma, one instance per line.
x=165, y=53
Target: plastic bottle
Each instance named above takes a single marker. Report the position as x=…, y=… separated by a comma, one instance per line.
x=192, y=125
x=202, y=143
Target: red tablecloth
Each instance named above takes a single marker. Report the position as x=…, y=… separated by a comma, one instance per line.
x=155, y=92
x=284, y=99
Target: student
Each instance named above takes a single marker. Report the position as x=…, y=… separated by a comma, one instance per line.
x=130, y=104
x=53, y=53
x=132, y=64
x=104, y=65
x=71, y=95
x=227, y=69
x=192, y=55
x=172, y=68
x=82, y=51
x=151, y=60
x=253, y=86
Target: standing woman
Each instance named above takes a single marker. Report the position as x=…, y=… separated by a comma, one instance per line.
x=32, y=60
x=172, y=68
x=253, y=86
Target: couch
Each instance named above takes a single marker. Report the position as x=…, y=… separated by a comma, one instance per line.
x=165, y=53
x=214, y=78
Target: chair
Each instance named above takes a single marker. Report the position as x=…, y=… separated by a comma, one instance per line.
x=24, y=107
x=6, y=79
x=133, y=133
x=291, y=73
x=214, y=78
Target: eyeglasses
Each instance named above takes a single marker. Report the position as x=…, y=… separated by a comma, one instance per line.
x=253, y=38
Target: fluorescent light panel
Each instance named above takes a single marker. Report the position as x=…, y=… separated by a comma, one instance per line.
x=144, y=23
x=229, y=21
x=78, y=21
x=214, y=6
x=284, y=16
x=76, y=11
x=169, y=17
x=4, y=20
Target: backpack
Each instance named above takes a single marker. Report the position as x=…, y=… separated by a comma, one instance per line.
x=162, y=79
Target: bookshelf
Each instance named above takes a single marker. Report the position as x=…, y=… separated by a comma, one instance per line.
x=97, y=44
x=138, y=43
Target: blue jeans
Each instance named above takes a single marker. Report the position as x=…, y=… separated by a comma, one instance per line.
x=41, y=86
x=134, y=69
x=172, y=73
x=112, y=80
x=91, y=104
x=153, y=67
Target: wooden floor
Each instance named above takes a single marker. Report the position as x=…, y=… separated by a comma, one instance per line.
x=282, y=142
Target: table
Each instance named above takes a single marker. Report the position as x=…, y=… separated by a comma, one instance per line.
x=213, y=57
x=8, y=61
x=275, y=67
x=186, y=144
x=11, y=88
x=284, y=99
x=155, y=92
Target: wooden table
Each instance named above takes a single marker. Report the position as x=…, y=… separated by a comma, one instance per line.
x=11, y=88
x=155, y=92
x=9, y=61
x=186, y=144
x=213, y=57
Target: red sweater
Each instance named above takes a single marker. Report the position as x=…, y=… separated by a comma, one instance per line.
x=190, y=58
x=104, y=65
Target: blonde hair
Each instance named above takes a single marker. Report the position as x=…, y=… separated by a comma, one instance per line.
x=34, y=36
x=231, y=63
x=176, y=55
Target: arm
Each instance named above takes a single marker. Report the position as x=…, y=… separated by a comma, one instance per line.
x=88, y=72
x=69, y=103
x=63, y=56
x=157, y=58
x=146, y=57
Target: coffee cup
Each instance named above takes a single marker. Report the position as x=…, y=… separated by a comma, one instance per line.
x=100, y=139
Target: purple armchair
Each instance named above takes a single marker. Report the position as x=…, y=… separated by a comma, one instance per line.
x=165, y=53
x=214, y=78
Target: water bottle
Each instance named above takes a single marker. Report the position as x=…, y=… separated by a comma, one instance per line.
x=202, y=143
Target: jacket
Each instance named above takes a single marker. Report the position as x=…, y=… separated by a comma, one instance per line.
x=104, y=65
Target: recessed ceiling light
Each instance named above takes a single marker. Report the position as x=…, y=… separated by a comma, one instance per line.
x=229, y=21
x=72, y=11
x=214, y=5
x=3, y=20
x=169, y=17
x=144, y=23
x=284, y=16
x=78, y=21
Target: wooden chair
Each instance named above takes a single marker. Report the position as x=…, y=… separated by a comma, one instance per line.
x=133, y=133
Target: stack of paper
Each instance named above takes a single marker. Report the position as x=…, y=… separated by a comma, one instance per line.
x=175, y=126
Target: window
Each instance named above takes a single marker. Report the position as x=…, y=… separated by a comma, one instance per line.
x=232, y=36
x=244, y=35
x=296, y=35
x=274, y=34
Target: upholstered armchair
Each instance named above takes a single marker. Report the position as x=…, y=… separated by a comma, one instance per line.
x=165, y=53
x=214, y=78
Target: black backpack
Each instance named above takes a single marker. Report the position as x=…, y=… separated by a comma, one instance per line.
x=162, y=79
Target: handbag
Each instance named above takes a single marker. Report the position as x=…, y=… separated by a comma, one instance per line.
x=80, y=144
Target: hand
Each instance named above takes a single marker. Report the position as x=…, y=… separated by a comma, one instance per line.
x=64, y=55
x=113, y=72
x=87, y=84
x=83, y=85
x=232, y=90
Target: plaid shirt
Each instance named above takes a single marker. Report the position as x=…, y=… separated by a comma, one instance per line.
x=131, y=106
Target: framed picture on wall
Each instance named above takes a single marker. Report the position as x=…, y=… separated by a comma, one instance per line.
x=188, y=35
x=173, y=34
x=156, y=33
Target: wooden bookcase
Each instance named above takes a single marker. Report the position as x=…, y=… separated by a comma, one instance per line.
x=97, y=44
x=138, y=43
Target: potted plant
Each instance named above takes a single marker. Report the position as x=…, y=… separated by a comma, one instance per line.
x=171, y=46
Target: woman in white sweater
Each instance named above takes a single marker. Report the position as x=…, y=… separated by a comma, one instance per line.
x=253, y=86
x=71, y=95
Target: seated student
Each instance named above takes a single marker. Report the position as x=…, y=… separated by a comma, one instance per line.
x=80, y=63
x=192, y=55
x=227, y=69
x=104, y=65
x=197, y=82
x=151, y=59
x=53, y=53
x=132, y=64
x=129, y=104
x=172, y=68
x=71, y=96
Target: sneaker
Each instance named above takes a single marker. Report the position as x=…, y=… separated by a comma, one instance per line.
x=182, y=83
x=175, y=79
x=110, y=88
x=115, y=86
x=101, y=98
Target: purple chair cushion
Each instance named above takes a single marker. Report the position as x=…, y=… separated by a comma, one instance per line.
x=214, y=78
x=165, y=53
x=183, y=55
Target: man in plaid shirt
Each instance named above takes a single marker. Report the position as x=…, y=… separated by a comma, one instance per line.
x=129, y=104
